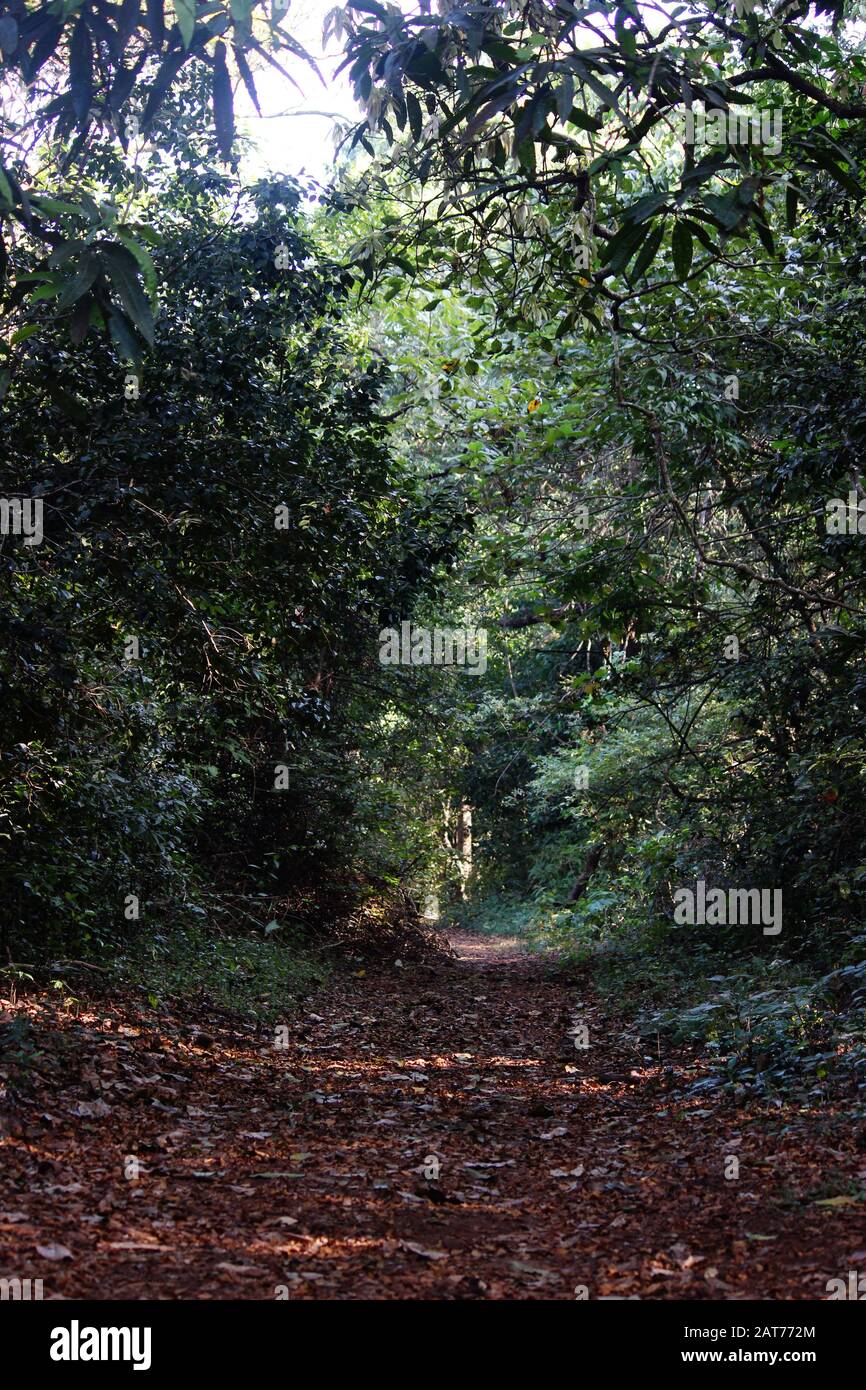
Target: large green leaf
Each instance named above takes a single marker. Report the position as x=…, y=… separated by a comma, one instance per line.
x=185, y=11
x=122, y=268
x=223, y=108
x=682, y=248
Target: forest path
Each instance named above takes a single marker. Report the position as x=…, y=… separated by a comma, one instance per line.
x=302, y=1172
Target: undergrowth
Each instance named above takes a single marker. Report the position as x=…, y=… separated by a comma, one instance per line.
x=240, y=974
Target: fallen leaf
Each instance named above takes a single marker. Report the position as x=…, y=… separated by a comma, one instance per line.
x=423, y=1252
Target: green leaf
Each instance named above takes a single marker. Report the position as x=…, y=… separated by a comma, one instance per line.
x=247, y=76
x=727, y=210
x=81, y=69
x=622, y=247
x=22, y=334
x=6, y=194
x=825, y=161
x=121, y=331
x=185, y=12
x=223, y=109
x=648, y=251
x=416, y=115
x=645, y=207
x=791, y=206
x=700, y=234
x=164, y=78
x=682, y=248
x=8, y=35
x=80, y=319
x=765, y=236
x=87, y=270
x=241, y=11
x=604, y=95
x=565, y=96
x=368, y=7
x=486, y=113
x=582, y=119
x=57, y=207
x=123, y=270
x=146, y=265
x=49, y=291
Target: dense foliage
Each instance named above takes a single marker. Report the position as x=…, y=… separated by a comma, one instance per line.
x=188, y=670
x=538, y=361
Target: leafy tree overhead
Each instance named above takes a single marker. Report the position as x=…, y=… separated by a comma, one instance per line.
x=91, y=77
x=567, y=126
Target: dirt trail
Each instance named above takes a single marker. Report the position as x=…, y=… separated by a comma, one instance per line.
x=310, y=1171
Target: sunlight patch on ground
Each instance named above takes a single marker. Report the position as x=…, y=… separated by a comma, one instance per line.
x=486, y=947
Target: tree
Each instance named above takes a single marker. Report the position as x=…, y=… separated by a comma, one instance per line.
x=191, y=661
x=81, y=85
x=555, y=146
